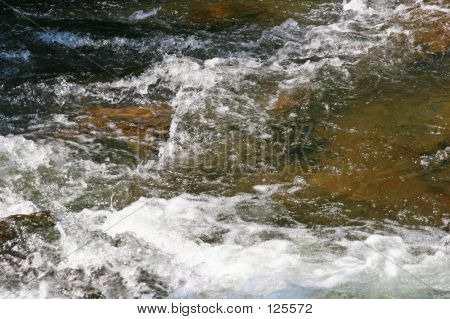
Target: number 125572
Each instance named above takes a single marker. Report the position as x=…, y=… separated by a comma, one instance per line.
x=290, y=308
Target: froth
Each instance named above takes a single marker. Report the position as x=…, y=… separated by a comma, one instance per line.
x=22, y=153
x=208, y=249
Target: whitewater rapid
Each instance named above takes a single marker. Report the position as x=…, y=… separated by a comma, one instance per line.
x=166, y=241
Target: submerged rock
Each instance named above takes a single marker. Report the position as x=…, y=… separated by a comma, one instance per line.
x=140, y=128
x=374, y=157
x=287, y=100
x=17, y=230
x=429, y=26
x=372, y=167
x=131, y=117
x=223, y=11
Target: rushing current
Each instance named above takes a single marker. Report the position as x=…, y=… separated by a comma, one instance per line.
x=224, y=149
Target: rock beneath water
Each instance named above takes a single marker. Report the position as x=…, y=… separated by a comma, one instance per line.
x=140, y=128
x=372, y=166
x=430, y=28
x=296, y=98
x=132, y=117
x=374, y=157
x=225, y=11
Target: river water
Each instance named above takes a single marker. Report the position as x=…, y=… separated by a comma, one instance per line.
x=258, y=149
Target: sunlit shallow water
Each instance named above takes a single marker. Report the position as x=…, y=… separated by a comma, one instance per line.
x=218, y=149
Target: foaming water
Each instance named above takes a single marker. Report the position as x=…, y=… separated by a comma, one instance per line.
x=228, y=89
x=141, y=15
x=18, y=55
x=127, y=226
x=199, y=246
x=273, y=257
x=23, y=153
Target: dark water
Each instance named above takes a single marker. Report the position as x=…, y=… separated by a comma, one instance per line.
x=224, y=149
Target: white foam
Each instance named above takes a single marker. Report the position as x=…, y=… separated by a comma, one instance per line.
x=359, y=6
x=142, y=15
x=22, y=153
x=23, y=55
x=438, y=158
x=242, y=261
x=68, y=39
x=267, y=189
x=63, y=120
x=14, y=204
x=173, y=228
x=18, y=156
x=25, y=167
x=75, y=40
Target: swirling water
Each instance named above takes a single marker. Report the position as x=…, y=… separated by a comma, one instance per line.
x=227, y=149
